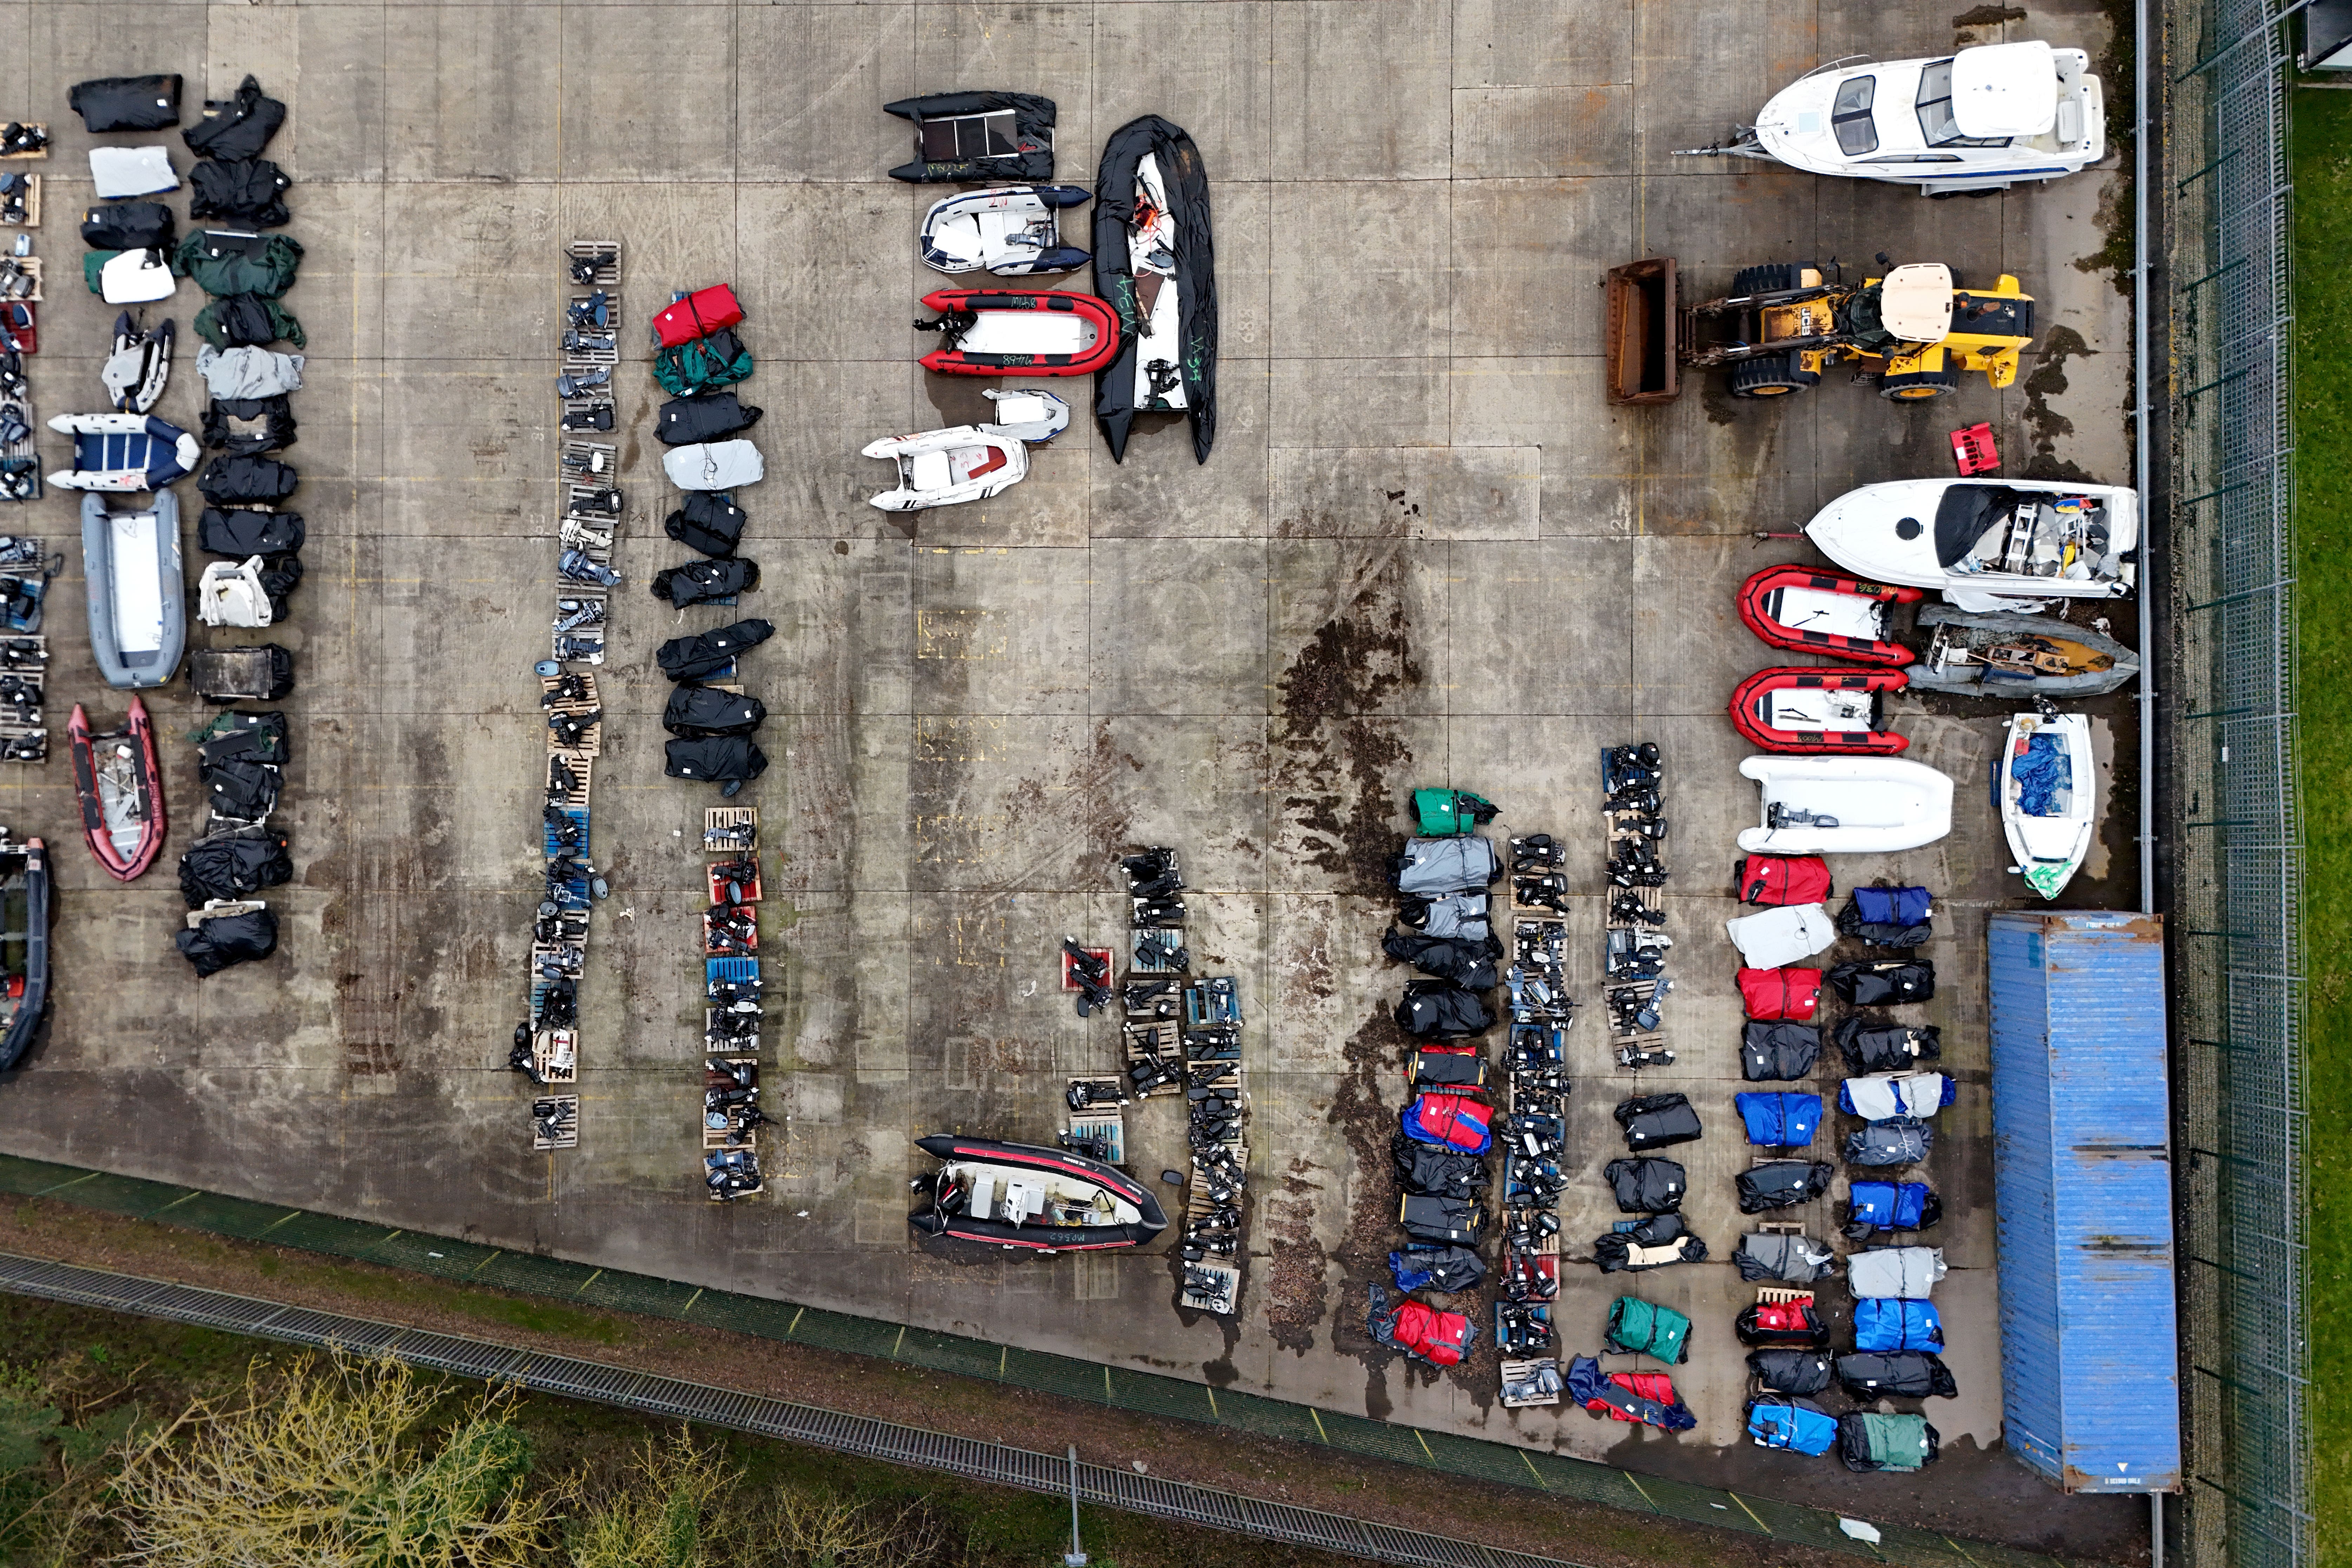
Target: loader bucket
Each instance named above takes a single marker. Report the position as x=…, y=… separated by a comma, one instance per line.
x=1640, y=337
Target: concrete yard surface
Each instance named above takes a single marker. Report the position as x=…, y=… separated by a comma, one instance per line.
x=1423, y=551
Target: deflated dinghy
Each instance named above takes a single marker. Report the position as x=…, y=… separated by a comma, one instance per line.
x=1818, y=711
x=990, y=331
x=1847, y=806
x=137, y=608
x=1155, y=263
x=1809, y=609
x=1012, y=231
x=121, y=792
x=24, y=944
x=2001, y=655
x=969, y=462
x=124, y=452
x=2046, y=788
x=1020, y=1195
x=134, y=374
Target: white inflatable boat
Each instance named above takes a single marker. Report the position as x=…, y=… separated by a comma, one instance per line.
x=124, y=452
x=2044, y=785
x=1010, y=230
x=1987, y=544
x=969, y=462
x=1847, y=806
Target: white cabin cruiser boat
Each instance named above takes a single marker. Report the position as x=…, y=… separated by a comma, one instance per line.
x=1968, y=123
x=2048, y=802
x=1987, y=544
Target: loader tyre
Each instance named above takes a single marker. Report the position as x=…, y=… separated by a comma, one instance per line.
x=1769, y=279
x=1919, y=386
x=1774, y=375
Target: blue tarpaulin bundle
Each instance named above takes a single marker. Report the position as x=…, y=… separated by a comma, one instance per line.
x=2041, y=773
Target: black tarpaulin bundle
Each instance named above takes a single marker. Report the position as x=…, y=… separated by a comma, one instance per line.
x=1647, y=1187
x=229, y=480
x=1658, y=1242
x=701, y=582
x=710, y=417
x=234, y=865
x=1902, y=1374
x=130, y=225
x=248, y=427
x=1778, y=1051
x=1655, y=1120
x=1789, y=1370
x=127, y=102
x=1888, y=1047
x=1464, y=962
x=244, y=533
x=1437, y=1172
x=235, y=127
x=956, y=139
x=247, y=321
x=1439, y=1009
x=1887, y=982
x=1185, y=182
x=701, y=711
x=708, y=521
x=227, y=939
x=704, y=654
x=244, y=190
x=1782, y=1184
x=731, y=760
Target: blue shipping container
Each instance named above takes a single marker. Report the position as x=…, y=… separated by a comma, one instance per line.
x=2083, y=1186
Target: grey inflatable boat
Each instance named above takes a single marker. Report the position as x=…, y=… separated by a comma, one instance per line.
x=138, y=599
x=2007, y=656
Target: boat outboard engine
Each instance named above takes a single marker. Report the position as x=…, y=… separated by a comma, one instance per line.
x=951, y=326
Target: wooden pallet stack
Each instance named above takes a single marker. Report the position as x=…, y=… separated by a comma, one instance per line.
x=1533, y=1137
x=20, y=285
x=1634, y=986
x=735, y=999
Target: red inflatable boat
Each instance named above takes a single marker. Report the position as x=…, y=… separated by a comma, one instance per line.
x=1840, y=711
x=1809, y=610
x=121, y=792
x=989, y=332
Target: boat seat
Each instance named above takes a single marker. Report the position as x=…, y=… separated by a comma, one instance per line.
x=990, y=458
x=929, y=471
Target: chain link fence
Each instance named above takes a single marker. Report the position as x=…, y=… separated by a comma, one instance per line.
x=1121, y=1388
x=2236, y=855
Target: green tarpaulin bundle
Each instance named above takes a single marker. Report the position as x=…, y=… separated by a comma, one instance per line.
x=1644, y=1328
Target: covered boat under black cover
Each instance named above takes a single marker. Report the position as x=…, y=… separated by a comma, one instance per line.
x=1064, y=1202
x=24, y=944
x=1167, y=356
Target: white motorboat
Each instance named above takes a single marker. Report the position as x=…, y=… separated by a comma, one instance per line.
x=969, y=462
x=1012, y=231
x=1847, y=806
x=2045, y=788
x=1972, y=122
x=1987, y=544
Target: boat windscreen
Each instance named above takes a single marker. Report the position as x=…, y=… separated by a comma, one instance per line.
x=1964, y=514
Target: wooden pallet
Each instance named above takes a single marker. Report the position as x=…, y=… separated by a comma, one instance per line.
x=583, y=767
x=1650, y=897
x=32, y=218
x=591, y=503
x=1230, y=1302
x=568, y=1135
x=1098, y=1123
x=30, y=265
x=593, y=630
x=1783, y=1296
x=1519, y=1372
x=584, y=461
x=555, y=1055
x=607, y=277
x=592, y=743
x=41, y=126
x=730, y=829
x=716, y=1137
x=569, y=959
x=1159, y=937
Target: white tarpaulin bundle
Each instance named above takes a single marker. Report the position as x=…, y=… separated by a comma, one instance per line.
x=1883, y=1095
x=131, y=172
x=1902, y=1273
x=1783, y=936
x=714, y=465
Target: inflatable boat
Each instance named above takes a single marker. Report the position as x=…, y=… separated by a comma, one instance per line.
x=1847, y=806
x=124, y=452
x=1155, y=263
x=121, y=792
x=2016, y=656
x=24, y=944
x=969, y=462
x=1820, y=711
x=977, y=136
x=1987, y=544
x=134, y=374
x=988, y=331
x=1807, y=609
x=1020, y=1195
x=2044, y=787
x=1012, y=231
x=138, y=600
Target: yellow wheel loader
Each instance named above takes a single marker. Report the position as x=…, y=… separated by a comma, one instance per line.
x=1913, y=331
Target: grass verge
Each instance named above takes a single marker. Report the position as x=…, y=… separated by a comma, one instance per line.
x=2323, y=306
